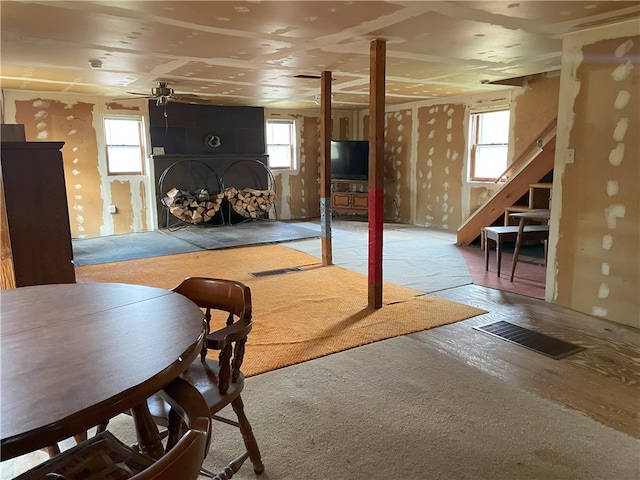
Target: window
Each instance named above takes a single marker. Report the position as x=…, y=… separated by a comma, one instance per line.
x=281, y=144
x=125, y=152
x=490, y=142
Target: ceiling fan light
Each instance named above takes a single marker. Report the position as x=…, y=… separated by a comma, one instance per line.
x=162, y=101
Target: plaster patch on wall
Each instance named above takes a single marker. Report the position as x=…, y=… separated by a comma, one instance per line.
x=39, y=103
x=40, y=115
x=621, y=129
x=78, y=197
x=622, y=71
x=78, y=208
x=616, y=155
x=622, y=100
x=603, y=291
x=72, y=132
x=75, y=160
x=605, y=268
x=431, y=134
x=624, y=48
x=43, y=135
x=612, y=213
x=607, y=242
x=612, y=188
x=75, y=172
x=77, y=186
x=599, y=311
x=449, y=137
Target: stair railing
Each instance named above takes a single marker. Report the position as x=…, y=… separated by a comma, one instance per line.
x=531, y=151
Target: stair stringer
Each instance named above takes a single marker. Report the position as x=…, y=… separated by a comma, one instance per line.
x=518, y=185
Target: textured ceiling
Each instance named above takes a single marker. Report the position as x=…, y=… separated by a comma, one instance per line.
x=249, y=53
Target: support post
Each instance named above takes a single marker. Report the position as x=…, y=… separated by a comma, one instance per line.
x=325, y=168
x=376, y=169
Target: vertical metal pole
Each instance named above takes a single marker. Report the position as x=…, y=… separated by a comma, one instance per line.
x=376, y=169
x=325, y=168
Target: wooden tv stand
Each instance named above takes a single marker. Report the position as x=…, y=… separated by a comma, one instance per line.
x=349, y=197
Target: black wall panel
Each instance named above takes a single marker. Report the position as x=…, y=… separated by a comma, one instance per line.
x=185, y=128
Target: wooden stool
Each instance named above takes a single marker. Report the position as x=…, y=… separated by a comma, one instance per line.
x=509, y=234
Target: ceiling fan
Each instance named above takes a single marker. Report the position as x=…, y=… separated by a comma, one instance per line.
x=164, y=94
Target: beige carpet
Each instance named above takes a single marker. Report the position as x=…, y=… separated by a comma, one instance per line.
x=298, y=316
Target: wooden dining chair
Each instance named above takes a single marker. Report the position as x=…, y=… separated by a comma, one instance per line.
x=219, y=381
x=183, y=460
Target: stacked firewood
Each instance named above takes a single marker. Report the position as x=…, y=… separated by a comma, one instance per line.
x=250, y=203
x=196, y=207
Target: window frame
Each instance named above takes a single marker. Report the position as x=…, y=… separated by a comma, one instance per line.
x=292, y=145
x=474, y=141
x=141, y=146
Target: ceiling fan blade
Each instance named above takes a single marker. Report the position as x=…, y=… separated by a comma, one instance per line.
x=189, y=98
x=132, y=98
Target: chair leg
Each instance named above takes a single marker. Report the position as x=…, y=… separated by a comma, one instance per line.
x=52, y=450
x=174, y=429
x=486, y=253
x=499, y=253
x=247, y=435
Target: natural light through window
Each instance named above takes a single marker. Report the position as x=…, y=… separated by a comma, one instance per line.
x=281, y=144
x=490, y=137
x=124, y=141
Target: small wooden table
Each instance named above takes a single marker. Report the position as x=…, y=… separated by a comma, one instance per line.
x=535, y=215
x=75, y=355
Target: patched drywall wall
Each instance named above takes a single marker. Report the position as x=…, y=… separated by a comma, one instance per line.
x=305, y=187
x=439, y=166
x=121, y=195
x=76, y=120
x=129, y=197
x=398, y=168
x=534, y=108
x=72, y=123
x=595, y=238
x=298, y=191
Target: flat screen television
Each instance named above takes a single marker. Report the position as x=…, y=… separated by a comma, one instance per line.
x=350, y=159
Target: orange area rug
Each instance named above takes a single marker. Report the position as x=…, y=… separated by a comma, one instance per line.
x=297, y=316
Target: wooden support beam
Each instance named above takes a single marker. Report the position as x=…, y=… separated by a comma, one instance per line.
x=376, y=169
x=325, y=168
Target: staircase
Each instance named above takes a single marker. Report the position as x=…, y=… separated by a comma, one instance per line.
x=526, y=172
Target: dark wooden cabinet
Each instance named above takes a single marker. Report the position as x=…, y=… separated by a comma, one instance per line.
x=349, y=197
x=37, y=213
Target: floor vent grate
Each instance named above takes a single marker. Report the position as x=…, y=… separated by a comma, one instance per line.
x=279, y=271
x=538, y=342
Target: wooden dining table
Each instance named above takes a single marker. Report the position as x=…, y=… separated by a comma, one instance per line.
x=73, y=356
